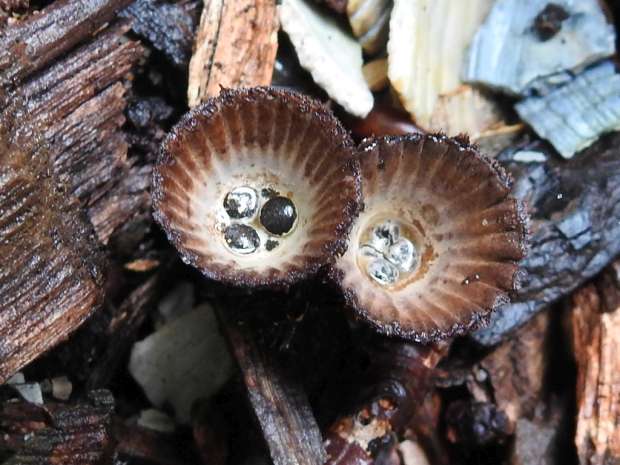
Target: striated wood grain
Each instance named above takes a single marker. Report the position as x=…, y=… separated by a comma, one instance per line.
x=33, y=43
x=276, y=396
x=68, y=434
x=392, y=394
x=61, y=154
x=50, y=278
x=575, y=210
x=236, y=46
x=596, y=344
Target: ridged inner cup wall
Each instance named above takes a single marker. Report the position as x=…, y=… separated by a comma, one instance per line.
x=262, y=138
x=469, y=233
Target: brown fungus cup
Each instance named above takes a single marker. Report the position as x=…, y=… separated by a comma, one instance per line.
x=257, y=187
x=438, y=243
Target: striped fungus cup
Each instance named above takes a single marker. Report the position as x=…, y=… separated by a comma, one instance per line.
x=263, y=187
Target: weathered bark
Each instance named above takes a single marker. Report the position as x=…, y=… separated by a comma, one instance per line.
x=122, y=326
x=168, y=26
x=575, y=208
x=78, y=103
x=236, y=46
x=34, y=43
x=60, y=139
x=278, y=400
x=516, y=370
x=596, y=344
x=520, y=398
x=153, y=447
x=391, y=397
x=50, y=279
x=78, y=434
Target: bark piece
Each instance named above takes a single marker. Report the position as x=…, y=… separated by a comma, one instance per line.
x=122, y=325
x=168, y=26
x=236, y=46
x=80, y=103
x=277, y=398
x=41, y=38
x=60, y=138
x=507, y=52
x=392, y=392
x=573, y=116
x=596, y=344
x=153, y=447
x=78, y=434
x=50, y=280
x=516, y=369
x=575, y=207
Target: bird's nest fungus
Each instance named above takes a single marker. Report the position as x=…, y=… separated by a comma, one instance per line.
x=263, y=187
x=438, y=243
x=258, y=187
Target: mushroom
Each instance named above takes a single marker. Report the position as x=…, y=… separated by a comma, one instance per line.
x=438, y=243
x=258, y=187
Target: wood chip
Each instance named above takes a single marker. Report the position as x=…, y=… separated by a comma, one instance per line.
x=236, y=46
x=329, y=53
x=375, y=73
x=596, y=342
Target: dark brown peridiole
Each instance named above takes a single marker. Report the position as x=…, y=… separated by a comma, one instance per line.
x=269, y=140
x=469, y=233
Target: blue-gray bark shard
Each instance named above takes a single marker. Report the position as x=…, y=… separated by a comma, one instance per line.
x=575, y=209
x=510, y=51
x=573, y=116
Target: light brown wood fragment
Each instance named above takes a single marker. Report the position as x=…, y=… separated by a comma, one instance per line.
x=235, y=46
x=596, y=344
x=516, y=369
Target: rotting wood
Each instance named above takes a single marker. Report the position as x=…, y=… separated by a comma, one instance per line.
x=51, y=275
x=235, y=46
x=68, y=434
x=153, y=447
x=575, y=209
x=279, y=402
x=33, y=43
x=596, y=344
x=168, y=26
x=392, y=393
x=60, y=137
x=80, y=100
x=121, y=331
x=516, y=369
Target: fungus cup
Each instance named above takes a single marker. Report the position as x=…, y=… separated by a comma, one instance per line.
x=257, y=187
x=438, y=243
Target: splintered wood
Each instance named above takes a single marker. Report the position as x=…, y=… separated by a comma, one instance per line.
x=58, y=433
x=235, y=46
x=62, y=158
x=596, y=339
